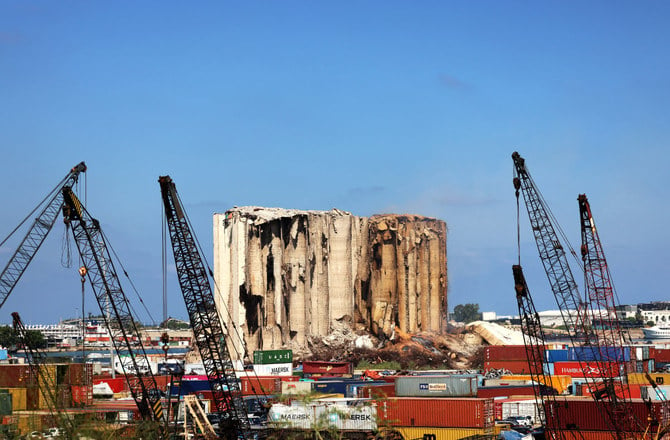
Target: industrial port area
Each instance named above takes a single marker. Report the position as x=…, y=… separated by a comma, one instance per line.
x=325, y=325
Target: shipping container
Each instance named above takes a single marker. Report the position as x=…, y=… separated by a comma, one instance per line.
x=322, y=368
x=436, y=386
x=298, y=387
x=506, y=391
x=340, y=414
x=273, y=356
x=260, y=385
x=513, y=366
x=377, y=391
x=507, y=382
x=437, y=412
x=660, y=354
x=596, y=353
x=587, y=369
x=82, y=395
x=585, y=435
x=285, y=369
x=443, y=433
x=642, y=353
x=14, y=376
x=659, y=392
x=5, y=403
x=584, y=414
x=641, y=378
x=520, y=407
x=559, y=383
x=19, y=398
x=117, y=384
x=557, y=355
x=505, y=353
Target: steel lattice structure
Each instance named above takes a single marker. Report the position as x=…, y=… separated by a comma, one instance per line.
x=35, y=236
x=614, y=391
x=114, y=305
x=205, y=321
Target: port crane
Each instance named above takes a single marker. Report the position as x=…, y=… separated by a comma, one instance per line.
x=46, y=382
x=115, y=307
x=205, y=320
x=38, y=231
x=553, y=257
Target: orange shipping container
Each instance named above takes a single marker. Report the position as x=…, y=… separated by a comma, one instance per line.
x=437, y=412
x=514, y=366
x=443, y=433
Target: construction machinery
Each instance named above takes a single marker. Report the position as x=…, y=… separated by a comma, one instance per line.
x=38, y=231
x=45, y=380
x=115, y=308
x=564, y=288
x=206, y=323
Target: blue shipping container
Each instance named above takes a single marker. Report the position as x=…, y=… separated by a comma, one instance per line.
x=557, y=355
x=592, y=353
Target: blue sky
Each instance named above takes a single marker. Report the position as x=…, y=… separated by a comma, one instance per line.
x=370, y=107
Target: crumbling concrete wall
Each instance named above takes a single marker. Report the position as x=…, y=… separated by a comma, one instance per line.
x=286, y=276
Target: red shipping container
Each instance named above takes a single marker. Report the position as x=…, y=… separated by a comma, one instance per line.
x=587, y=390
x=331, y=368
x=15, y=376
x=117, y=384
x=437, y=412
x=505, y=391
x=82, y=395
x=80, y=374
x=584, y=414
x=377, y=391
x=660, y=354
x=505, y=353
x=260, y=385
x=591, y=369
x=516, y=367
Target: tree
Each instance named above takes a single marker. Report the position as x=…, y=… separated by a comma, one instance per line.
x=8, y=337
x=467, y=313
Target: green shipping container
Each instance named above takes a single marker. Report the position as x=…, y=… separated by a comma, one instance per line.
x=263, y=357
x=5, y=403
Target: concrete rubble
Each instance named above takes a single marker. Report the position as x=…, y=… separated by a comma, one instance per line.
x=289, y=278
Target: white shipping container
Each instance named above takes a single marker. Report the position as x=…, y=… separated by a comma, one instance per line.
x=345, y=415
x=274, y=369
x=527, y=407
x=296, y=387
x=662, y=392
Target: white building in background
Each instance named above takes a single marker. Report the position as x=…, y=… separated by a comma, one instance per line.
x=656, y=316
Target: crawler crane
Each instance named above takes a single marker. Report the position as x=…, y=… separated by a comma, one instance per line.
x=36, y=234
x=205, y=321
x=92, y=247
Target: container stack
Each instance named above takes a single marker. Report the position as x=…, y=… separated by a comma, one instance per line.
x=508, y=358
x=273, y=362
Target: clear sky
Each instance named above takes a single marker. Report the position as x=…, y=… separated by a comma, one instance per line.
x=369, y=107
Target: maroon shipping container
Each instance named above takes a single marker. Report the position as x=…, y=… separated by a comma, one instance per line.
x=584, y=414
x=15, y=376
x=660, y=354
x=506, y=353
x=587, y=369
x=505, y=391
x=516, y=367
x=437, y=412
x=376, y=391
x=82, y=395
x=330, y=368
x=80, y=374
x=586, y=435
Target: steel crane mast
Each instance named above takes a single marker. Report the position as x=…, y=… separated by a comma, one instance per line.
x=35, y=236
x=102, y=275
x=45, y=382
x=205, y=321
x=551, y=251
x=564, y=288
x=614, y=391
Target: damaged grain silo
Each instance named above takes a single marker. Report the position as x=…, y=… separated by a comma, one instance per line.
x=286, y=277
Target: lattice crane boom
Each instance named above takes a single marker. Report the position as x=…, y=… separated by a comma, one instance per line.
x=204, y=317
x=35, y=236
x=114, y=306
